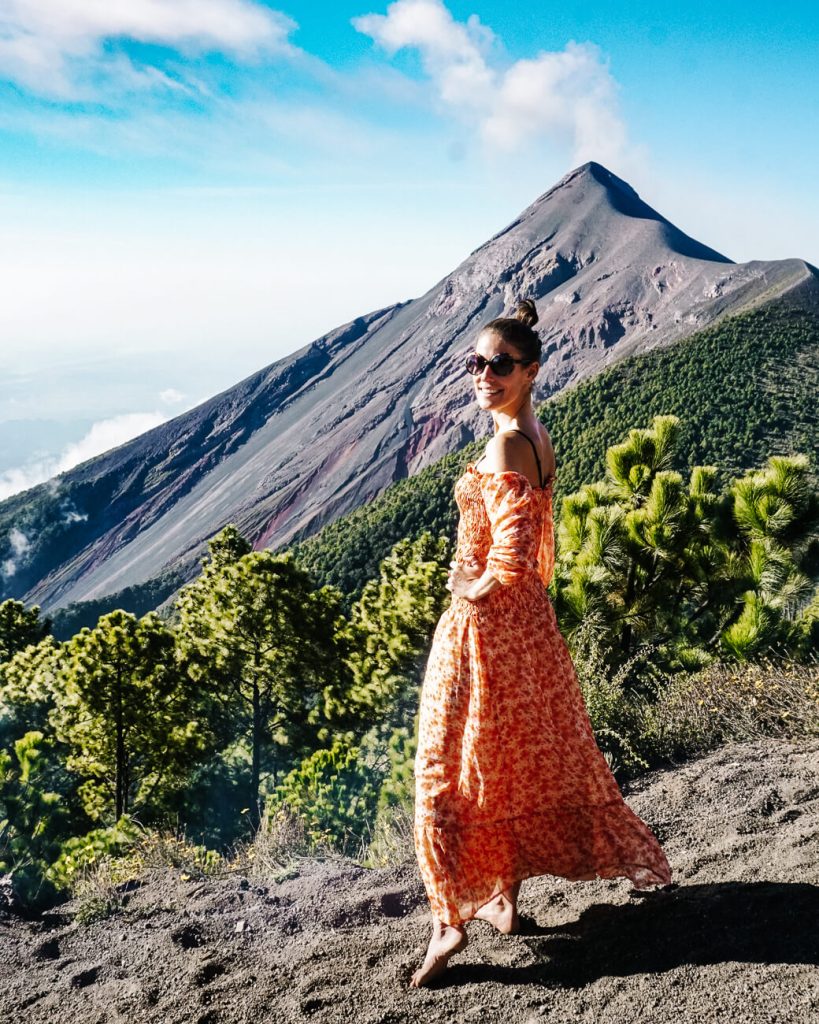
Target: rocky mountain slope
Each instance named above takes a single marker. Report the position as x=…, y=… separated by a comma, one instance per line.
x=326, y=429
x=734, y=938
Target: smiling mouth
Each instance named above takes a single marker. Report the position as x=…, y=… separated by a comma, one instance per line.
x=484, y=391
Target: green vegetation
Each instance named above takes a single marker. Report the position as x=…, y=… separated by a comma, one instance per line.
x=258, y=698
x=276, y=710
x=742, y=390
x=260, y=703
x=252, y=631
x=648, y=558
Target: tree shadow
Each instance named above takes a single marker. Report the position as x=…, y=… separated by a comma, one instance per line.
x=751, y=922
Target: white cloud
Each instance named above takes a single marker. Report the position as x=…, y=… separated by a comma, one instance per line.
x=171, y=396
x=428, y=25
x=103, y=436
x=452, y=53
x=19, y=542
x=19, y=546
x=567, y=96
x=49, y=46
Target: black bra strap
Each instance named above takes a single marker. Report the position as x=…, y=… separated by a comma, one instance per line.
x=534, y=449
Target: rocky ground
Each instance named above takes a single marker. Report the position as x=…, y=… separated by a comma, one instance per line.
x=735, y=939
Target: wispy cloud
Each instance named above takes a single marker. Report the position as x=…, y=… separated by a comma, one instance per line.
x=19, y=544
x=566, y=96
x=171, y=396
x=118, y=78
x=101, y=437
x=57, y=48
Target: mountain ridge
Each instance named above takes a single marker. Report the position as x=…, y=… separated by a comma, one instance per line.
x=308, y=437
x=633, y=206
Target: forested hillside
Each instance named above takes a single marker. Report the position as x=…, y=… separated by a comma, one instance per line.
x=690, y=607
x=742, y=390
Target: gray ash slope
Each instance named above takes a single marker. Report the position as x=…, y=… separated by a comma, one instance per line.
x=331, y=426
x=735, y=939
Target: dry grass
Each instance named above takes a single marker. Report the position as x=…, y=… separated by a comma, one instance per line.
x=100, y=889
x=391, y=841
x=163, y=849
x=727, y=702
x=280, y=843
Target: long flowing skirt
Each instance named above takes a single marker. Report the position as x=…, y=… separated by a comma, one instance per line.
x=509, y=781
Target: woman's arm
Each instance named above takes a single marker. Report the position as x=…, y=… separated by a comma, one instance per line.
x=482, y=586
x=513, y=552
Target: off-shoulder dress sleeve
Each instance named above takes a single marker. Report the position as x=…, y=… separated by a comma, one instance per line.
x=508, y=499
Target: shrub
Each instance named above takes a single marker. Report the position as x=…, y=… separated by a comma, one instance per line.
x=617, y=713
x=80, y=853
x=281, y=841
x=398, y=786
x=725, y=702
x=334, y=794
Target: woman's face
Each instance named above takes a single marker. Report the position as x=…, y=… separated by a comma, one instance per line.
x=501, y=393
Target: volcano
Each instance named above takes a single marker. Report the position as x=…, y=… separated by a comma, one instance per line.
x=326, y=429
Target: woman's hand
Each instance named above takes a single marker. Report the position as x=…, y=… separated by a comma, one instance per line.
x=462, y=576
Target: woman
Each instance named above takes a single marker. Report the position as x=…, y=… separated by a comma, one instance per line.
x=510, y=782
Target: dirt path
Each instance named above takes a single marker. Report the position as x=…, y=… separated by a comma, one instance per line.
x=736, y=941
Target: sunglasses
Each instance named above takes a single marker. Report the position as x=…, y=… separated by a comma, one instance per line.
x=501, y=364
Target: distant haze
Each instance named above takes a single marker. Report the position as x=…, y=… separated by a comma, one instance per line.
x=190, y=191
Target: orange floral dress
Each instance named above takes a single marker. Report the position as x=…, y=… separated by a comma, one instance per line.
x=509, y=781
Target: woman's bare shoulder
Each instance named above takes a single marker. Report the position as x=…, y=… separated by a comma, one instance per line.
x=509, y=451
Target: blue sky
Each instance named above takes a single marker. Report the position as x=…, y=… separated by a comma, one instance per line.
x=190, y=189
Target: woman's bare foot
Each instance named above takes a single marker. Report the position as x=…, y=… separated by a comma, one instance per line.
x=501, y=911
x=446, y=939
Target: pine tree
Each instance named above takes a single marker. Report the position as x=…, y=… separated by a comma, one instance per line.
x=125, y=713
x=645, y=558
x=774, y=513
x=19, y=627
x=264, y=645
x=390, y=625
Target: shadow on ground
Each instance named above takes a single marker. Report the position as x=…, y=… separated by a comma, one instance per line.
x=742, y=922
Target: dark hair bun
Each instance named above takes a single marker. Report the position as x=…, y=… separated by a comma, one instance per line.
x=526, y=312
